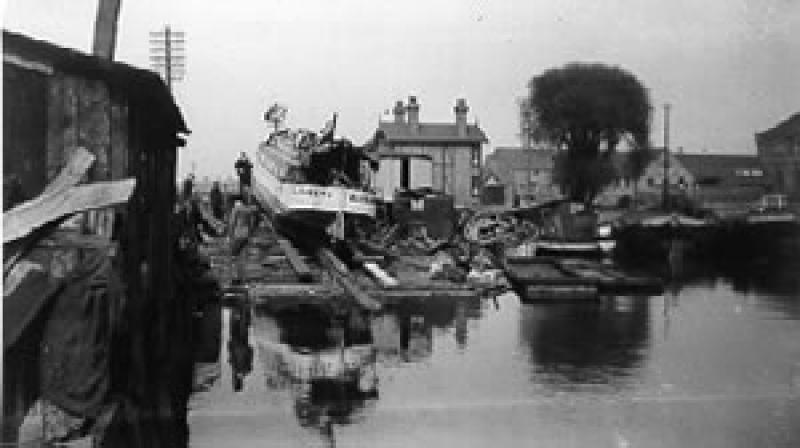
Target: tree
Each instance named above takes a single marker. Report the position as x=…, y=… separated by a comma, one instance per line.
x=586, y=110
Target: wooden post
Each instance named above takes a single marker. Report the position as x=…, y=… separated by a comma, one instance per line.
x=105, y=29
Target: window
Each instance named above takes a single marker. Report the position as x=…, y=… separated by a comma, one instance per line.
x=476, y=185
x=476, y=157
x=650, y=182
x=709, y=181
x=757, y=172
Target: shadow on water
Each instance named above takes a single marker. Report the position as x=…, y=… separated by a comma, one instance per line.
x=591, y=344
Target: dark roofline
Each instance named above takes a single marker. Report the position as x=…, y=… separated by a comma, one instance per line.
x=146, y=84
x=779, y=129
x=421, y=138
x=424, y=139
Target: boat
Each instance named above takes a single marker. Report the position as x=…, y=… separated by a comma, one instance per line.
x=769, y=230
x=576, y=248
x=310, y=182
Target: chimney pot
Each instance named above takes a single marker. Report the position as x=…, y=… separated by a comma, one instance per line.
x=399, y=112
x=461, y=110
x=413, y=114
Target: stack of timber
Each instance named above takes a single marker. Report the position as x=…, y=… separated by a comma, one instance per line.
x=545, y=279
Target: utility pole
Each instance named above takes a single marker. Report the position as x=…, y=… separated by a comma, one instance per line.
x=665, y=183
x=167, y=47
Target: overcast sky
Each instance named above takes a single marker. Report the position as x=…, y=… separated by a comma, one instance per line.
x=728, y=67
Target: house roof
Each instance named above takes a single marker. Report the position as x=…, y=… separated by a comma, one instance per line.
x=504, y=160
x=520, y=157
x=430, y=133
x=787, y=128
x=723, y=167
x=142, y=85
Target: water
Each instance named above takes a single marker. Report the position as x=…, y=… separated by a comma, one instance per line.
x=715, y=361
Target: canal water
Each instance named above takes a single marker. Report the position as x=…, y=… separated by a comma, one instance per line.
x=713, y=362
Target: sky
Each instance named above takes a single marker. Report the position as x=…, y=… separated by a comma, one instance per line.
x=729, y=68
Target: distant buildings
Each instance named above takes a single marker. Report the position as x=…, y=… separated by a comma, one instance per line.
x=715, y=181
x=526, y=174
x=779, y=151
x=453, y=150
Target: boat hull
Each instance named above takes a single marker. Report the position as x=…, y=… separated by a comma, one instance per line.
x=307, y=206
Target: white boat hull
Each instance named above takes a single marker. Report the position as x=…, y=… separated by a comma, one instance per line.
x=314, y=204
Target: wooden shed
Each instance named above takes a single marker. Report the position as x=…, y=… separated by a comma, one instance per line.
x=58, y=99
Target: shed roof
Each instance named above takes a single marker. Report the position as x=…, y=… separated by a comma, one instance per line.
x=144, y=85
x=430, y=133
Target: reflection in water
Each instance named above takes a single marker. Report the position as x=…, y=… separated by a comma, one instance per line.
x=586, y=344
x=326, y=362
x=404, y=331
x=240, y=353
x=712, y=362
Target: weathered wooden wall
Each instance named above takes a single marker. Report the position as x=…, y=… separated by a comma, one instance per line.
x=24, y=122
x=126, y=121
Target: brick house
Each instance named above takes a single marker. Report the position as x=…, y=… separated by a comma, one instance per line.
x=779, y=151
x=455, y=149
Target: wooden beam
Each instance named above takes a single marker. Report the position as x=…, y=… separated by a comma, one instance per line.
x=386, y=280
x=341, y=275
x=19, y=222
x=105, y=29
x=296, y=261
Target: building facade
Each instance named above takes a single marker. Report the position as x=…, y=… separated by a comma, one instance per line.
x=779, y=152
x=721, y=182
x=527, y=174
x=455, y=149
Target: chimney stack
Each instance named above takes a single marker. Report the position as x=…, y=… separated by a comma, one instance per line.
x=461, y=110
x=413, y=114
x=399, y=112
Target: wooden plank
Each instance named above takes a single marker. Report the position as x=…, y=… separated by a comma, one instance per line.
x=341, y=275
x=73, y=239
x=19, y=223
x=296, y=261
x=395, y=295
x=94, y=125
x=79, y=163
x=119, y=133
x=385, y=280
x=69, y=114
x=55, y=117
